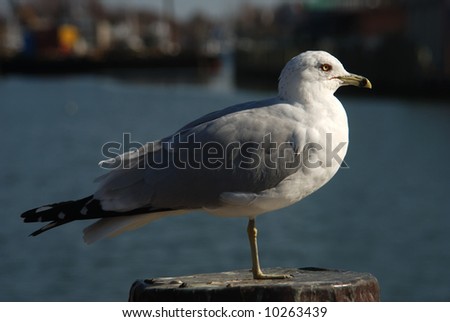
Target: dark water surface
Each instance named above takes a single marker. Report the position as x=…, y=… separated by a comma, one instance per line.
x=388, y=214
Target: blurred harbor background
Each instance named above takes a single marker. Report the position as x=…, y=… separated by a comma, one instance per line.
x=403, y=45
x=77, y=74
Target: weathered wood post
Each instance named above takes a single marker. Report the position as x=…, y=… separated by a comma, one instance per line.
x=306, y=284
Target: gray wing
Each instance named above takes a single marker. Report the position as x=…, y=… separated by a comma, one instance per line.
x=229, y=110
x=239, y=149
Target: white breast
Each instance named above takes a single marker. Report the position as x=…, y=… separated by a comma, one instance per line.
x=322, y=138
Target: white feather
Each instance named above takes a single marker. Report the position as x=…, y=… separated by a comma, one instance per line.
x=111, y=227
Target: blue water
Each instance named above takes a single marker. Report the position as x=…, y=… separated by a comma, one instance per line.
x=388, y=214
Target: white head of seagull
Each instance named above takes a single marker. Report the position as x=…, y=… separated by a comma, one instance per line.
x=314, y=76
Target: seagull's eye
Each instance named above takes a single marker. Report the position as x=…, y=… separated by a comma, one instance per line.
x=325, y=67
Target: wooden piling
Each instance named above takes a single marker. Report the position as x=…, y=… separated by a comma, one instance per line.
x=306, y=285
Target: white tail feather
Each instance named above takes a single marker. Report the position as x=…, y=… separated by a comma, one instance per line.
x=111, y=227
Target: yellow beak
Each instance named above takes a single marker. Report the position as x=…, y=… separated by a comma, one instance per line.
x=355, y=80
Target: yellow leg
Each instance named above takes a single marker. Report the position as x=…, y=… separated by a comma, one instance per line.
x=256, y=269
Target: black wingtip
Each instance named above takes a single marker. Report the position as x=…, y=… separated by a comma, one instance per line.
x=52, y=212
x=26, y=215
x=61, y=213
x=37, y=214
x=49, y=226
x=35, y=233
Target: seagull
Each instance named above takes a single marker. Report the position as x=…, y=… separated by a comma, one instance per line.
x=241, y=161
